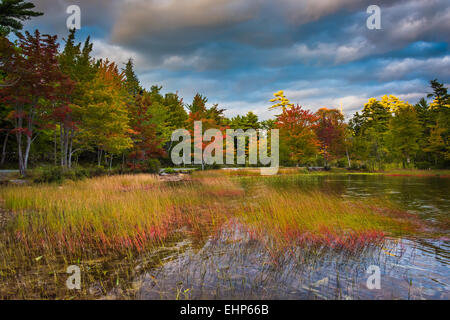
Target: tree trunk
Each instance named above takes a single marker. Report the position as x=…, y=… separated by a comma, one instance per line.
x=20, y=153
x=70, y=155
x=66, y=147
x=55, y=155
x=348, y=157
x=61, y=142
x=27, y=152
x=99, y=157
x=5, y=143
x=18, y=125
x=30, y=139
x=70, y=151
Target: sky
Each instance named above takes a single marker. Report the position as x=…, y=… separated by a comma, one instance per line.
x=238, y=53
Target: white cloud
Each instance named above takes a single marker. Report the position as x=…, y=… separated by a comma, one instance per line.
x=298, y=95
x=397, y=69
x=118, y=54
x=333, y=52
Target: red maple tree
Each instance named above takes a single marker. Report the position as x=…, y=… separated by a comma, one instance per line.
x=35, y=93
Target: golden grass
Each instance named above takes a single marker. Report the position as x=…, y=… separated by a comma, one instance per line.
x=290, y=217
x=134, y=212
x=106, y=213
x=134, y=215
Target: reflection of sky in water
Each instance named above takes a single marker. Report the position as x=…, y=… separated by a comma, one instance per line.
x=428, y=197
x=224, y=269
x=234, y=267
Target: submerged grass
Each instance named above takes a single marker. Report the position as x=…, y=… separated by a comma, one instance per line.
x=317, y=218
x=123, y=217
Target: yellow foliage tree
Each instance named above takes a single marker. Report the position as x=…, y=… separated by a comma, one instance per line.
x=281, y=101
x=392, y=103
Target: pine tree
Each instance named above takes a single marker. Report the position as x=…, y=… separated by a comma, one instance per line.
x=440, y=95
x=131, y=80
x=13, y=13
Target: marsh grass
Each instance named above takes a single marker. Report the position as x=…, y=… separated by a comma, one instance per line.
x=110, y=213
x=316, y=218
x=112, y=225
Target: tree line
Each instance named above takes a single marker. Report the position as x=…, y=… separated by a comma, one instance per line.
x=387, y=133
x=61, y=106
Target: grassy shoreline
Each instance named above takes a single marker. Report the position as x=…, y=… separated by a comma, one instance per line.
x=55, y=225
x=122, y=212
x=341, y=171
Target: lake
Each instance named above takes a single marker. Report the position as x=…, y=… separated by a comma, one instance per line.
x=232, y=265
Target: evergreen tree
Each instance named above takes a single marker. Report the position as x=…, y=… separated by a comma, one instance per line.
x=440, y=95
x=131, y=80
x=404, y=134
x=13, y=13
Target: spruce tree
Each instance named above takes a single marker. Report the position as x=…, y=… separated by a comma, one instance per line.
x=13, y=13
x=131, y=80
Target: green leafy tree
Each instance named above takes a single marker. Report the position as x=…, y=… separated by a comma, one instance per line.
x=369, y=130
x=436, y=145
x=76, y=62
x=404, y=134
x=104, y=118
x=146, y=143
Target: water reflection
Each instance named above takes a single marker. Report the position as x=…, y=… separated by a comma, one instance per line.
x=428, y=197
x=232, y=266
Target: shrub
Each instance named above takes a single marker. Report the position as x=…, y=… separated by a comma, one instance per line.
x=423, y=165
x=154, y=166
x=169, y=171
x=70, y=175
x=81, y=173
x=342, y=163
x=49, y=174
x=98, y=171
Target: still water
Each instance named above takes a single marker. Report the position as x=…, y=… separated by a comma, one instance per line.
x=233, y=266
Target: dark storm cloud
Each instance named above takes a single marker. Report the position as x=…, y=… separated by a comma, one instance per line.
x=238, y=52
